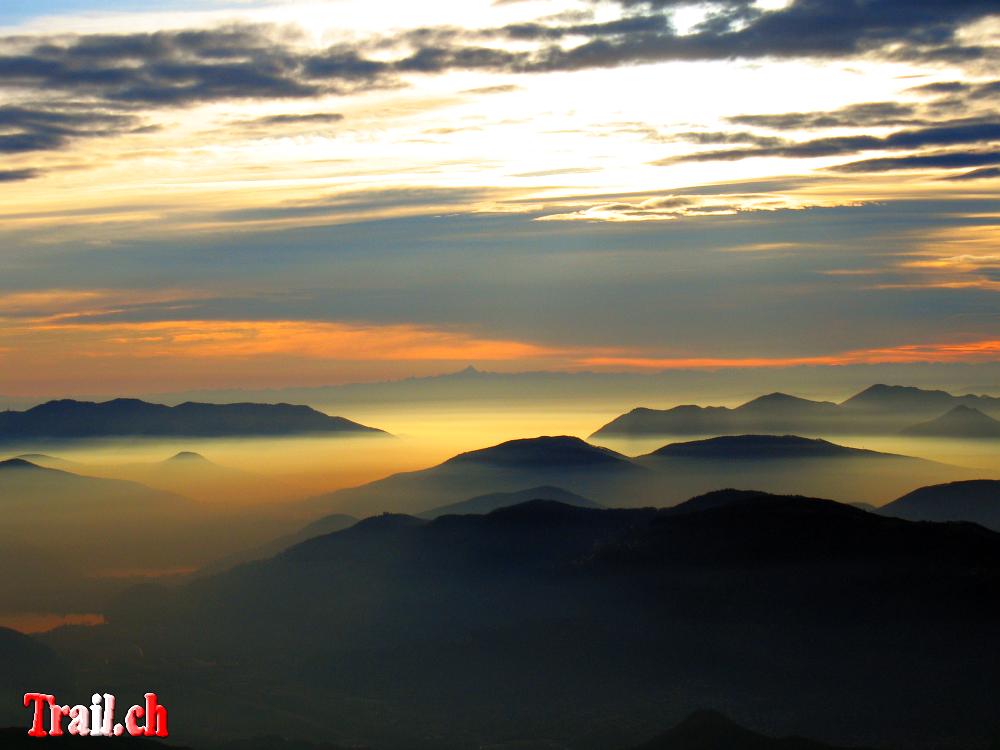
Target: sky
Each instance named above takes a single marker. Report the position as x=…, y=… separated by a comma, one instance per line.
x=266, y=194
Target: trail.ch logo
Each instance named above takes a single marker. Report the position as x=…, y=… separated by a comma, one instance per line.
x=97, y=720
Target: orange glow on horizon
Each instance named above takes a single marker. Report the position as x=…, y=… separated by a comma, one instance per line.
x=974, y=351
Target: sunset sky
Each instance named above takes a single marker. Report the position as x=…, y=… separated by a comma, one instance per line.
x=226, y=194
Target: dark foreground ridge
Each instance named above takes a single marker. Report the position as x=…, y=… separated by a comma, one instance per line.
x=125, y=417
x=587, y=627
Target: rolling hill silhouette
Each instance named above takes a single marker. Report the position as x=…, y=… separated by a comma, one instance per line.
x=30, y=488
x=789, y=464
x=975, y=501
x=493, y=501
x=568, y=462
x=126, y=417
x=879, y=409
x=762, y=447
x=961, y=422
x=786, y=464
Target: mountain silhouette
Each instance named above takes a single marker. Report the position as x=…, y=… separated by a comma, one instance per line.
x=761, y=447
x=187, y=456
x=789, y=464
x=543, y=452
x=881, y=409
x=493, y=501
x=567, y=462
x=976, y=501
x=30, y=488
x=16, y=464
x=724, y=498
x=52, y=462
x=910, y=400
x=26, y=662
x=785, y=464
x=773, y=412
x=131, y=417
x=961, y=422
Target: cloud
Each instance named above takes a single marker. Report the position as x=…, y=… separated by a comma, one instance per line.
x=38, y=127
x=184, y=67
x=18, y=175
x=899, y=29
x=976, y=174
x=501, y=89
x=299, y=339
x=384, y=201
x=706, y=138
x=947, y=160
x=878, y=114
x=176, y=68
x=955, y=133
x=672, y=207
x=314, y=118
x=967, y=351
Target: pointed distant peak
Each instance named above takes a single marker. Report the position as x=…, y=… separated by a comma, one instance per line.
x=963, y=410
x=187, y=456
x=779, y=400
x=470, y=370
x=776, y=396
x=959, y=421
x=773, y=399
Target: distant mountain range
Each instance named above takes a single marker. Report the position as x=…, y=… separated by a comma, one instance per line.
x=69, y=419
x=547, y=621
x=884, y=409
x=668, y=475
